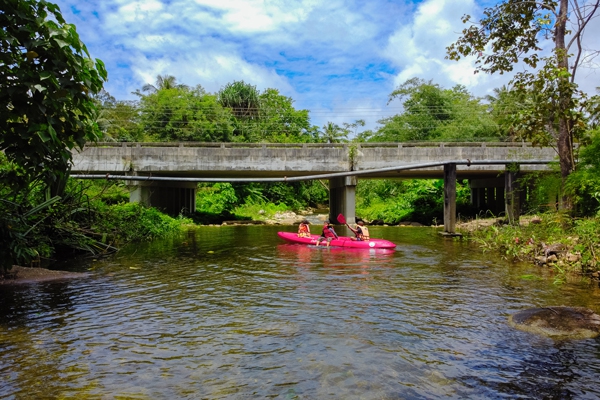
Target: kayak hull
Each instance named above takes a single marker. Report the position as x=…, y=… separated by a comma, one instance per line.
x=342, y=241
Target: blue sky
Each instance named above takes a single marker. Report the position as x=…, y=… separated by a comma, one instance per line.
x=339, y=59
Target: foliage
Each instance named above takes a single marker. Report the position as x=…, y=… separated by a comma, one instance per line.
x=258, y=209
x=548, y=102
x=20, y=234
x=163, y=82
x=118, y=120
x=526, y=242
x=106, y=191
x=542, y=191
x=215, y=198
x=297, y=195
x=392, y=201
x=223, y=201
x=241, y=98
x=130, y=222
x=46, y=80
x=333, y=133
x=503, y=106
x=433, y=113
x=280, y=122
x=90, y=218
x=184, y=114
x=584, y=184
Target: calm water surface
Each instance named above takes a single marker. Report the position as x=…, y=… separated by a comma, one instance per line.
x=233, y=312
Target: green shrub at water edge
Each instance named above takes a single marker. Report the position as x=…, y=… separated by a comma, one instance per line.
x=393, y=201
x=528, y=241
x=259, y=210
x=134, y=222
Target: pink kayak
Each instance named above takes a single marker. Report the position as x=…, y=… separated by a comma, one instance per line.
x=342, y=241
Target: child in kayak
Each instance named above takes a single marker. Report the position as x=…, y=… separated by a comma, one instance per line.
x=327, y=234
x=304, y=229
x=360, y=231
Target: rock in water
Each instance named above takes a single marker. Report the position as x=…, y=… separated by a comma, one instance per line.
x=558, y=322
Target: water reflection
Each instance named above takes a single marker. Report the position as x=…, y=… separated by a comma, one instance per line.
x=232, y=312
x=334, y=257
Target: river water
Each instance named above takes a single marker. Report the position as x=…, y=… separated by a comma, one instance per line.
x=233, y=312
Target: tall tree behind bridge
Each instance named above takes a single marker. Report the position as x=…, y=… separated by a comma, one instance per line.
x=431, y=112
x=264, y=117
x=179, y=113
x=512, y=32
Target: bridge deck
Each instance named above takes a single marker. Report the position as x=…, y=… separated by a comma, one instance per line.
x=261, y=160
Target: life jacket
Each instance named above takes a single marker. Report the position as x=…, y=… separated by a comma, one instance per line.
x=327, y=232
x=363, y=232
x=303, y=230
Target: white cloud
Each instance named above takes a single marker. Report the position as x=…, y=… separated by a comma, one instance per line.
x=418, y=48
x=333, y=56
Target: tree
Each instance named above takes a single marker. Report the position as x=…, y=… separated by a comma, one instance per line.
x=183, y=114
x=279, y=121
x=242, y=98
x=352, y=128
x=117, y=120
x=503, y=106
x=333, y=133
x=431, y=112
x=243, y=101
x=512, y=31
x=162, y=82
x=47, y=78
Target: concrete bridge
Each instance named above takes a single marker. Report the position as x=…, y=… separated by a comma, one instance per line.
x=165, y=174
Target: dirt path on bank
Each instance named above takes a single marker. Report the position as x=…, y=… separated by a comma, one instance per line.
x=475, y=224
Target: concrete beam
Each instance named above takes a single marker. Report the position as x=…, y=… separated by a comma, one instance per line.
x=512, y=201
x=450, y=198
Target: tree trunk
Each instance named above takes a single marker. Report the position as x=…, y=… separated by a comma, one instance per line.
x=565, y=141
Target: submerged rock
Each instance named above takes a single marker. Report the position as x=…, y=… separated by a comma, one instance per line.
x=558, y=322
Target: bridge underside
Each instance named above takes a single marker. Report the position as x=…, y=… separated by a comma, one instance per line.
x=340, y=164
x=496, y=194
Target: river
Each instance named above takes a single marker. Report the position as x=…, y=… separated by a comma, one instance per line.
x=233, y=312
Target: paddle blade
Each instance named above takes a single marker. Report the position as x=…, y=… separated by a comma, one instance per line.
x=341, y=219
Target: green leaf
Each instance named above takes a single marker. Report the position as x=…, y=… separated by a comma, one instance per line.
x=61, y=43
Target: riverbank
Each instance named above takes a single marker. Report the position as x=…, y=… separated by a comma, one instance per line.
x=554, y=240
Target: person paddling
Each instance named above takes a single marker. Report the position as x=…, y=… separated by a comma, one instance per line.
x=327, y=234
x=360, y=231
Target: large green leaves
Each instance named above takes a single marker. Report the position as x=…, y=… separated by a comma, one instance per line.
x=46, y=79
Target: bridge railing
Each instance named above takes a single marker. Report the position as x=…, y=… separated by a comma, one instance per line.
x=308, y=145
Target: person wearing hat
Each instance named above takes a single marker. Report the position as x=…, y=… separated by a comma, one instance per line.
x=327, y=234
x=360, y=231
x=304, y=229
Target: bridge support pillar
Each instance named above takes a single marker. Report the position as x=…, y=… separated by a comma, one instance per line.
x=449, y=198
x=173, y=198
x=342, y=198
x=512, y=194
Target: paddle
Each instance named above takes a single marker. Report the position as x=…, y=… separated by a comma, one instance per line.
x=342, y=220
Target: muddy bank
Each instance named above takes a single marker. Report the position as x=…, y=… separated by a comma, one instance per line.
x=20, y=275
